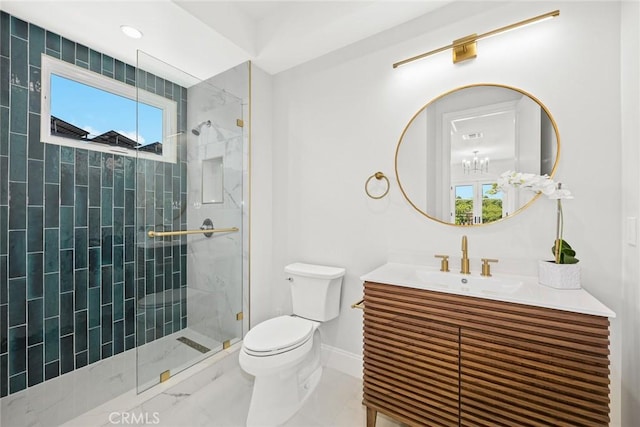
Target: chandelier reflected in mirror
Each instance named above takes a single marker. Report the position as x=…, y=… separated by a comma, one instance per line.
x=476, y=165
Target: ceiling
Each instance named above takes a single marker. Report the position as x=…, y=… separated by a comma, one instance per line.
x=206, y=37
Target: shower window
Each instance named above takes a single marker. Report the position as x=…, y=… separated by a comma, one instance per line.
x=83, y=109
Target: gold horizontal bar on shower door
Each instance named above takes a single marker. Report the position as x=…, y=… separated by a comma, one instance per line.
x=152, y=233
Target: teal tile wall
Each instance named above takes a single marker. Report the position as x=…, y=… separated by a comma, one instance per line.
x=71, y=270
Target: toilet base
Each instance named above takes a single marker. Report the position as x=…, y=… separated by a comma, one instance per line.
x=277, y=397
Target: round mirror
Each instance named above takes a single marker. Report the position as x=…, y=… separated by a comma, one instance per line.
x=453, y=150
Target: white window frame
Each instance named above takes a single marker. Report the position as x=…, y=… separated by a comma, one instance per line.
x=73, y=72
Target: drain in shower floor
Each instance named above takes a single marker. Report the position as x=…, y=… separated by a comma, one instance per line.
x=194, y=345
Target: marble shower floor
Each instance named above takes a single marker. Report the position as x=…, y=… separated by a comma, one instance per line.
x=219, y=395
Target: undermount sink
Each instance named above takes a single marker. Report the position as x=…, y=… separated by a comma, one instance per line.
x=466, y=282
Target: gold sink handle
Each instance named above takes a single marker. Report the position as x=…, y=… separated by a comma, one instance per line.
x=486, y=267
x=444, y=264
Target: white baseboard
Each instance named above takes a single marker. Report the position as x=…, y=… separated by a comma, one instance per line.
x=343, y=361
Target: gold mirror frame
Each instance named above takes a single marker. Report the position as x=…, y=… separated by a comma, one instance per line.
x=423, y=109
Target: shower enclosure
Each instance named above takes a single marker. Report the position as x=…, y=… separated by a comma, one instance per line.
x=189, y=222
x=91, y=304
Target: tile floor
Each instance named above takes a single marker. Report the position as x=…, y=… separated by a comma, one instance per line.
x=219, y=395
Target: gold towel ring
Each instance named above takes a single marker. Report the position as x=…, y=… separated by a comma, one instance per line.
x=378, y=176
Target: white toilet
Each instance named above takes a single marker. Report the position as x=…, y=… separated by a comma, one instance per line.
x=283, y=353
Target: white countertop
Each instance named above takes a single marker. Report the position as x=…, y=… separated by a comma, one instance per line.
x=529, y=293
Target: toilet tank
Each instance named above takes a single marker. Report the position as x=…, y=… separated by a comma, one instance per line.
x=315, y=290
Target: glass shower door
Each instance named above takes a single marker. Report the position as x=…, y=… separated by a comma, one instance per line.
x=189, y=242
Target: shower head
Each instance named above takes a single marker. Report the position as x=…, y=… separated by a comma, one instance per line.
x=196, y=130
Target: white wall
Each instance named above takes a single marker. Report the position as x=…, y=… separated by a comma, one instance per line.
x=337, y=120
x=630, y=88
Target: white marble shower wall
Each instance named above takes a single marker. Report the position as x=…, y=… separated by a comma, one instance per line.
x=216, y=276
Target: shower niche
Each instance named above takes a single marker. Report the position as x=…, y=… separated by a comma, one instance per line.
x=213, y=180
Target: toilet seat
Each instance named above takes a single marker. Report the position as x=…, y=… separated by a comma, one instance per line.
x=278, y=335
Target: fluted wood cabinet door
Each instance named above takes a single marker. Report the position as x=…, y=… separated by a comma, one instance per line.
x=438, y=359
x=410, y=362
x=540, y=369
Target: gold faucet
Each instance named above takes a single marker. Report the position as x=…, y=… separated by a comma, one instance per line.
x=464, y=263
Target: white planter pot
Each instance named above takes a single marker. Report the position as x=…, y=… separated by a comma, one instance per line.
x=559, y=276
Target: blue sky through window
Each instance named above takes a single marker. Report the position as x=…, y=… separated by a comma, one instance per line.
x=98, y=111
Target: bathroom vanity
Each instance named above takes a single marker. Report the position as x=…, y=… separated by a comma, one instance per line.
x=473, y=351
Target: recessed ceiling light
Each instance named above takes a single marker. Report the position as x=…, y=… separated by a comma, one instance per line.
x=134, y=33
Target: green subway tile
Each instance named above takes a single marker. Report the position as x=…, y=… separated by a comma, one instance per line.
x=129, y=316
x=35, y=145
x=51, y=250
x=93, y=304
x=4, y=330
x=19, y=28
x=4, y=181
x=94, y=187
x=51, y=205
x=35, y=371
x=82, y=53
x=35, y=229
x=67, y=180
x=17, y=382
x=51, y=370
x=81, y=331
x=5, y=81
x=107, y=64
x=52, y=296
x=81, y=248
x=52, y=41
x=107, y=323
x=66, y=270
x=34, y=184
x=118, y=337
x=118, y=301
x=95, y=158
x=67, y=356
x=4, y=286
x=17, y=253
x=51, y=340
x=17, y=302
x=95, y=231
x=52, y=53
x=129, y=342
x=52, y=164
x=94, y=345
x=19, y=108
x=4, y=368
x=68, y=51
x=107, y=172
x=129, y=244
x=95, y=61
x=81, y=289
x=118, y=188
x=107, y=206
x=107, y=284
x=118, y=226
x=18, y=206
x=82, y=167
x=130, y=74
x=34, y=90
x=36, y=45
x=81, y=205
x=129, y=280
x=66, y=313
x=67, y=155
x=5, y=33
x=66, y=227
x=19, y=62
x=119, y=70
x=118, y=264
x=35, y=324
x=81, y=64
x=4, y=131
x=94, y=268
x=82, y=359
x=17, y=349
x=35, y=276
x=18, y=155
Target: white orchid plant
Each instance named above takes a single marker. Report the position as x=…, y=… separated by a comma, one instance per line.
x=542, y=184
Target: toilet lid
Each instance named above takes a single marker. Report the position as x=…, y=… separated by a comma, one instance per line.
x=277, y=335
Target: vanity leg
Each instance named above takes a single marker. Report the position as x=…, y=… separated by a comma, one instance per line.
x=371, y=417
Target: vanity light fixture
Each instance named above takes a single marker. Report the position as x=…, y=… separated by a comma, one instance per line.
x=130, y=31
x=467, y=47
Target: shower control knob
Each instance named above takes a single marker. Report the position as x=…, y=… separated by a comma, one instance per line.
x=290, y=279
